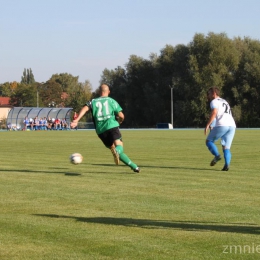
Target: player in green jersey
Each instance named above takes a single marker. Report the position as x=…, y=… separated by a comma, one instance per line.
x=107, y=116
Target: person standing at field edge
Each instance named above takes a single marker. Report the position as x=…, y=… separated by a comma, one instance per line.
x=75, y=116
x=224, y=128
x=107, y=115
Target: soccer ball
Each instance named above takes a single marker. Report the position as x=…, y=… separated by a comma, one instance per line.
x=76, y=158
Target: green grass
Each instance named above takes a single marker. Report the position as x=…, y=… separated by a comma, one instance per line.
x=178, y=207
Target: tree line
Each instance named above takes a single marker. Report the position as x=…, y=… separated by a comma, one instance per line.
x=142, y=86
x=61, y=90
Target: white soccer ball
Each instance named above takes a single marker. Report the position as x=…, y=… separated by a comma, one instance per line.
x=76, y=158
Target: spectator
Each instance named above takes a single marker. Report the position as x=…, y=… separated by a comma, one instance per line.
x=36, y=123
x=26, y=123
x=50, y=124
x=44, y=124
x=64, y=124
x=57, y=124
x=40, y=124
x=75, y=116
x=31, y=122
x=9, y=126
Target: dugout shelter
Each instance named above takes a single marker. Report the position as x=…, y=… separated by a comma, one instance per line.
x=17, y=114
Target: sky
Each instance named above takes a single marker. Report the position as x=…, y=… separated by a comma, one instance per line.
x=84, y=37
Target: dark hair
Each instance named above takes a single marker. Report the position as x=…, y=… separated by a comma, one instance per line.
x=214, y=89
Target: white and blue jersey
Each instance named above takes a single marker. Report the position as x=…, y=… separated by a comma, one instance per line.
x=224, y=124
x=224, y=116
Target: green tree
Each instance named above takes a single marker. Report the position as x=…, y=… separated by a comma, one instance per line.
x=24, y=95
x=66, y=80
x=139, y=76
x=212, y=62
x=172, y=72
x=245, y=92
x=51, y=93
x=79, y=95
x=28, y=77
x=8, y=88
x=117, y=81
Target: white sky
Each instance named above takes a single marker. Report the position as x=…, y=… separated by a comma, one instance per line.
x=83, y=37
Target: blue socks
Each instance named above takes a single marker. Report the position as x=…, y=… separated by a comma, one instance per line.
x=212, y=148
x=227, y=156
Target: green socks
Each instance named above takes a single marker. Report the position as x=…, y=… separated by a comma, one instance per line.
x=124, y=158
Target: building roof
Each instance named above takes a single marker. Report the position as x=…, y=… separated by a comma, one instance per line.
x=4, y=101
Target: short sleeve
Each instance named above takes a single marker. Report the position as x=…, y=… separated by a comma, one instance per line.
x=88, y=104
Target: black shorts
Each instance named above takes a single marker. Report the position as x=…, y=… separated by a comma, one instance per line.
x=109, y=136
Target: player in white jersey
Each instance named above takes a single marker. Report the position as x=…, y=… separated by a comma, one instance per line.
x=224, y=128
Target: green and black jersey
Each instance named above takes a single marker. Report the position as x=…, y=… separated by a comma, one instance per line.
x=104, y=111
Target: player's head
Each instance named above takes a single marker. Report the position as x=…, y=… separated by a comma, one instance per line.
x=104, y=90
x=212, y=93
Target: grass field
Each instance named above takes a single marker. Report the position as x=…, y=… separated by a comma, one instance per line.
x=178, y=207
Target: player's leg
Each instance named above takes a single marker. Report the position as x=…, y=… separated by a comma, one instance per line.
x=112, y=139
x=118, y=143
x=108, y=141
x=123, y=157
x=214, y=135
x=226, y=142
x=115, y=154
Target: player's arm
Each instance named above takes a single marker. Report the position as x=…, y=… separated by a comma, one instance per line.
x=120, y=117
x=213, y=115
x=82, y=112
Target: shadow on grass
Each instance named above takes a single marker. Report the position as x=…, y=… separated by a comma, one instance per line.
x=49, y=172
x=164, y=167
x=65, y=173
x=153, y=224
